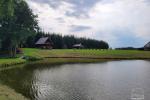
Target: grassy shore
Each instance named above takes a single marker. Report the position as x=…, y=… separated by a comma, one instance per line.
x=7, y=93
x=57, y=56
x=87, y=53
x=82, y=55
x=54, y=61
x=11, y=61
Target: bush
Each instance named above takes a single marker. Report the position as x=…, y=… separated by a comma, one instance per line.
x=31, y=58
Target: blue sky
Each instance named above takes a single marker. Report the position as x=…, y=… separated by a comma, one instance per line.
x=119, y=22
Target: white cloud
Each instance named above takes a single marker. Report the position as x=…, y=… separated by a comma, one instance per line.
x=47, y=17
x=130, y=14
x=104, y=19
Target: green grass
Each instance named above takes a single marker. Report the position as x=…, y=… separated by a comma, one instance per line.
x=122, y=54
x=7, y=93
x=10, y=61
x=36, y=54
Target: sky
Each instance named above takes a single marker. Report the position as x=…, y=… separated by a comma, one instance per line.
x=121, y=23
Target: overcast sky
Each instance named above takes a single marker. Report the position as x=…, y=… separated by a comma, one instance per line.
x=119, y=22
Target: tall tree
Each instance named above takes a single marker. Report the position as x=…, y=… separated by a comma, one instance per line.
x=16, y=27
x=6, y=8
x=6, y=11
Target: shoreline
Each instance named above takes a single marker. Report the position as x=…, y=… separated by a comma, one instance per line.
x=22, y=61
x=67, y=59
x=34, y=54
x=51, y=57
x=7, y=93
x=103, y=58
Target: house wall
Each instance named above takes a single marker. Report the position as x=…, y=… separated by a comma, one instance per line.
x=48, y=46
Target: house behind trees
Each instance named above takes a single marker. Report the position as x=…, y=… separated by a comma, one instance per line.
x=78, y=46
x=44, y=43
x=66, y=42
x=147, y=46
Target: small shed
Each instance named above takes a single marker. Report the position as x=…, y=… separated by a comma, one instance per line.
x=147, y=46
x=44, y=43
x=78, y=46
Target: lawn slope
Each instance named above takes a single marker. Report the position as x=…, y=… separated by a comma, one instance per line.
x=81, y=55
x=87, y=53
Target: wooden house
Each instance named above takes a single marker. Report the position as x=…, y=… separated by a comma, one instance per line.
x=44, y=43
x=78, y=46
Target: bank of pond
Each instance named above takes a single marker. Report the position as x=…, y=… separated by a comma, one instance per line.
x=32, y=54
x=105, y=79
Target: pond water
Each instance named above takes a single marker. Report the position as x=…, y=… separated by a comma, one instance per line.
x=112, y=80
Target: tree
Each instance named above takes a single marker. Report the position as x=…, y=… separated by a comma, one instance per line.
x=6, y=8
x=16, y=27
x=6, y=11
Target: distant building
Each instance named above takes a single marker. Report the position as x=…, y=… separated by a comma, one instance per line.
x=78, y=46
x=147, y=46
x=44, y=43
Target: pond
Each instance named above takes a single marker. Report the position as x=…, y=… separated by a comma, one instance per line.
x=110, y=80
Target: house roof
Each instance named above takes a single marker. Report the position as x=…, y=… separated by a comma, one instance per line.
x=42, y=40
x=147, y=45
x=78, y=45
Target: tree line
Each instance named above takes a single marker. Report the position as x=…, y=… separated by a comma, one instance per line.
x=19, y=28
x=66, y=42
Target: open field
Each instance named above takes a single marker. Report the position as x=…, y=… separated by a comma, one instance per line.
x=86, y=54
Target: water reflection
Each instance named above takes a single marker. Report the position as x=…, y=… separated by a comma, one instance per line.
x=112, y=80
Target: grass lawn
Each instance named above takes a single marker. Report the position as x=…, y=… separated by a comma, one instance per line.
x=7, y=93
x=122, y=54
x=10, y=61
x=76, y=53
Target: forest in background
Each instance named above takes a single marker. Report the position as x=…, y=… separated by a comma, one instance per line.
x=19, y=28
x=65, y=42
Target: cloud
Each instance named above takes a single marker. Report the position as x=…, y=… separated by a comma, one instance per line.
x=60, y=20
x=117, y=21
x=79, y=28
x=79, y=8
x=52, y=3
x=131, y=17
